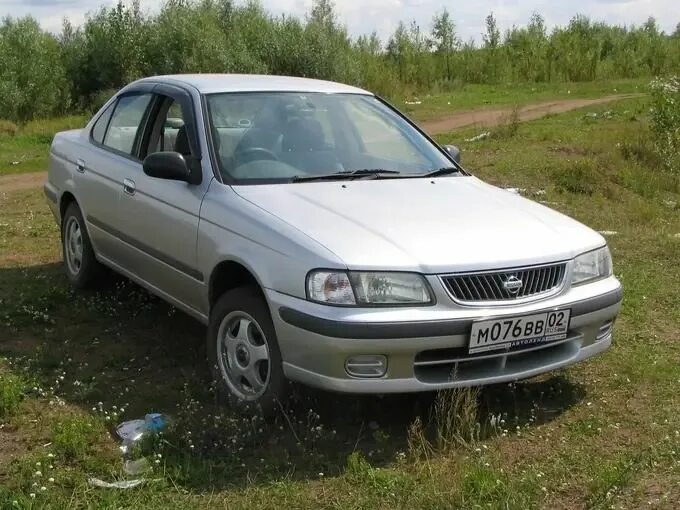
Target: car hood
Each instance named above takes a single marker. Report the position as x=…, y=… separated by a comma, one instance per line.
x=438, y=225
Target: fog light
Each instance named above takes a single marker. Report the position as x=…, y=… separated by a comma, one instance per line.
x=366, y=365
x=605, y=330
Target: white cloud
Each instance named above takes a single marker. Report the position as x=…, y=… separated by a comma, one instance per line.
x=365, y=16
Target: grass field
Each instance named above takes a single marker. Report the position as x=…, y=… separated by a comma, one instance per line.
x=604, y=434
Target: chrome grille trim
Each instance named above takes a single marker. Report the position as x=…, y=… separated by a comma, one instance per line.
x=486, y=287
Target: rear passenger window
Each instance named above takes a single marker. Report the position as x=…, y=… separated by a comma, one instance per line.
x=100, y=126
x=125, y=121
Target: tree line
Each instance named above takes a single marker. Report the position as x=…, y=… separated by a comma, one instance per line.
x=44, y=74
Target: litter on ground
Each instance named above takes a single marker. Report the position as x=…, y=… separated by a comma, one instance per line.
x=481, y=136
x=125, y=484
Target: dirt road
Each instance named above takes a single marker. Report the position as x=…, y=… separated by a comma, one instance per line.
x=20, y=182
x=481, y=118
x=490, y=118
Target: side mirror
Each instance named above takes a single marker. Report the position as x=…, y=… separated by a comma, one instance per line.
x=453, y=151
x=167, y=165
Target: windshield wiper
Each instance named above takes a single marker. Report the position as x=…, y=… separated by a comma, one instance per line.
x=443, y=171
x=347, y=174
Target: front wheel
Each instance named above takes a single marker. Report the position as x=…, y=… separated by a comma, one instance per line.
x=244, y=354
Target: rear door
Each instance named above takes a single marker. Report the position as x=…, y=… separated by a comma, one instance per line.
x=109, y=155
x=159, y=217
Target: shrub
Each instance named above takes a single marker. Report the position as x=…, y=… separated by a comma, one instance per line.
x=665, y=113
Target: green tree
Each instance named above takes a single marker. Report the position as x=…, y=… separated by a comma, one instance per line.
x=444, y=38
x=492, y=41
x=32, y=78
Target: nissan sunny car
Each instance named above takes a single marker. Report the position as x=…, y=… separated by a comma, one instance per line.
x=324, y=238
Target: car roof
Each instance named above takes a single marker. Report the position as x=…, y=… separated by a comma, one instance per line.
x=214, y=83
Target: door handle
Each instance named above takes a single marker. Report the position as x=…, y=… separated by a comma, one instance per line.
x=129, y=186
x=80, y=166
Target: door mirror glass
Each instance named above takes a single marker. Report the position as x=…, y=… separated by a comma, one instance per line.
x=167, y=165
x=453, y=151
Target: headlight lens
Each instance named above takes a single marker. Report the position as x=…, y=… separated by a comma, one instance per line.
x=368, y=288
x=593, y=265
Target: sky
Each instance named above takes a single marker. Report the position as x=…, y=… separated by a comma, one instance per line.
x=382, y=16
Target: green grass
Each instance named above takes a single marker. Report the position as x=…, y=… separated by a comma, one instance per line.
x=24, y=148
x=602, y=434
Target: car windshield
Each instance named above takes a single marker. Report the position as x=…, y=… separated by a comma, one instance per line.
x=268, y=137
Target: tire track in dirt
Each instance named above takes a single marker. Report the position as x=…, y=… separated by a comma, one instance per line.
x=481, y=118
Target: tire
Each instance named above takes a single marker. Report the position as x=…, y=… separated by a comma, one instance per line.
x=244, y=355
x=82, y=268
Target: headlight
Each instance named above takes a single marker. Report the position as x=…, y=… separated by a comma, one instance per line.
x=368, y=288
x=593, y=265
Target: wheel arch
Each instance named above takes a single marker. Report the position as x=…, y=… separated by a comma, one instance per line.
x=231, y=274
x=67, y=198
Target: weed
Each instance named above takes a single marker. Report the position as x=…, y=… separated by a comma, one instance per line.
x=579, y=177
x=508, y=127
x=384, y=482
x=74, y=436
x=12, y=390
x=455, y=418
x=419, y=446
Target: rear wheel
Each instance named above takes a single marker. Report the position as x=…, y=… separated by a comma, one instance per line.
x=82, y=268
x=244, y=354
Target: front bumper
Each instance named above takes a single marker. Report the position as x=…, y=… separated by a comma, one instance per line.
x=426, y=348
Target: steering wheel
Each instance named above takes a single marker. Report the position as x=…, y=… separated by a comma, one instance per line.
x=255, y=154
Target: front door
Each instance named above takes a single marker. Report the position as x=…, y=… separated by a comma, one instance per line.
x=160, y=217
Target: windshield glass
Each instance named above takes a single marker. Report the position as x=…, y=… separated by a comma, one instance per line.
x=276, y=136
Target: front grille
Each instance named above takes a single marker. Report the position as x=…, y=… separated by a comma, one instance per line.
x=506, y=285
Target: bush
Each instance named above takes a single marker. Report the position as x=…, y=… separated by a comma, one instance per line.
x=665, y=113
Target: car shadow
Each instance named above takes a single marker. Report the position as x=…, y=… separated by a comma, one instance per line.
x=122, y=348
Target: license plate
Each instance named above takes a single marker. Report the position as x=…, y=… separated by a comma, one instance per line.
x=526, y=330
